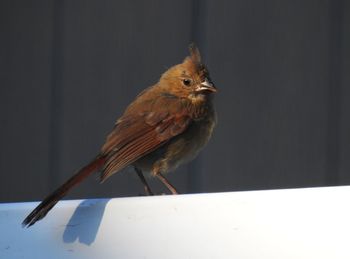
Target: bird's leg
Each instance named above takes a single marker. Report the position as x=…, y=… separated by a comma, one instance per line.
x=166, y=183
x=148, y=190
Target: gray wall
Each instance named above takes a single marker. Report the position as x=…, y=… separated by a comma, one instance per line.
x=69, y=68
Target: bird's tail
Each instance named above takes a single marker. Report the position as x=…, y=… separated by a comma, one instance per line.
x=47, y=204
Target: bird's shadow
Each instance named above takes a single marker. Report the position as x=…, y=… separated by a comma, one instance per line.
x=85, y=221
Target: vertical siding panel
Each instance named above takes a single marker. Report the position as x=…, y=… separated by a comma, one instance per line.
x=270, y=60
x=344, y=139
x=25, y=79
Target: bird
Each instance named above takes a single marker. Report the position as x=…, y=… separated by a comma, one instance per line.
x=164, y=127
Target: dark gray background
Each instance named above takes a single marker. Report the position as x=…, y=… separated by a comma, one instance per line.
x=69, y=68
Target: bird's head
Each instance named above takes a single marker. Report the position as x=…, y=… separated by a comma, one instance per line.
x=190, y=79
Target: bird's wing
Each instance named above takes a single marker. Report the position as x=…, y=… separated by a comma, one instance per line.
x=143, y=129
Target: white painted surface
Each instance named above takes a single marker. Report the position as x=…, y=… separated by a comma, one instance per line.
x=281, y=224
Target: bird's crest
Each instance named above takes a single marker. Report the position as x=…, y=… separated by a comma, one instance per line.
x=194, y=60
x=195, y=55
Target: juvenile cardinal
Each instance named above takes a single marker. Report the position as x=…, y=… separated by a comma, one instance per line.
x=165, y=126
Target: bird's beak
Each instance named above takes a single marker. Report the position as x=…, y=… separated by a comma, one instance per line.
x=206, y=86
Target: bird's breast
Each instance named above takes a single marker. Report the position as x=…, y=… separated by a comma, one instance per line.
x=186, y=146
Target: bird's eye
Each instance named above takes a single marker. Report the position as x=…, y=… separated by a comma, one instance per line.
x=186, y=82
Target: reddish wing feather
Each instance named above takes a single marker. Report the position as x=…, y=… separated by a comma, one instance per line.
x=137, y=134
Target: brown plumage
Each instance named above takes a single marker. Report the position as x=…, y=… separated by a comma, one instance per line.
x=165, y=126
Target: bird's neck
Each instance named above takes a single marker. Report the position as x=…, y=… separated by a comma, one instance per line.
x=200, y=105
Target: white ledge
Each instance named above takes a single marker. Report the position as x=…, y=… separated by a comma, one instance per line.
x=295, y=223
